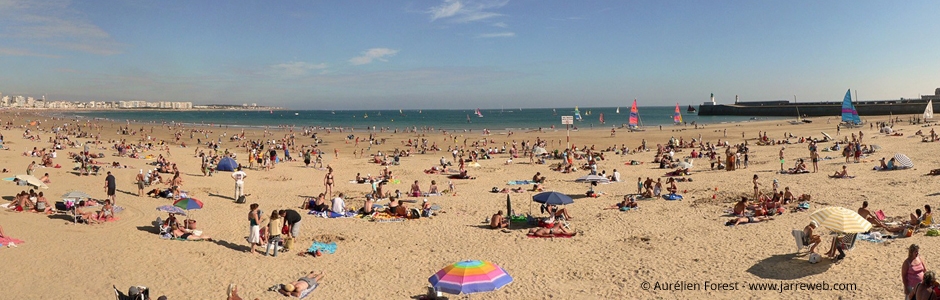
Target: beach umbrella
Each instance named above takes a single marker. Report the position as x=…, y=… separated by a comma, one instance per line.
x=876, y=147
x=470, y=276
x=171, y=209
x=903, y=161
x=539, y=151
x=593, y=178
x=553, y=198
x=188, y=203
x=32, y=180
x=76, y=195
x=841, y=219
x=508, y=208
x=684, y=165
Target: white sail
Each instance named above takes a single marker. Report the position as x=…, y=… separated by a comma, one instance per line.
x=928, y=113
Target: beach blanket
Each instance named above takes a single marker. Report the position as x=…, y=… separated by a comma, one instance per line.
x=869, y=238
x=520, y=182
x=5, y=241
x=557, y=235
x=323, y=247
x=845, y=177
x=457, y=176
x=9, y=178
x=671, y=197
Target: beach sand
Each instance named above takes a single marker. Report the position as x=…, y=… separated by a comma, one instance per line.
x=663, y=242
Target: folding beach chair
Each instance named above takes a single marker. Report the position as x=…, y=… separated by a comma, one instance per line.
x=143, y=293
x=798, y=235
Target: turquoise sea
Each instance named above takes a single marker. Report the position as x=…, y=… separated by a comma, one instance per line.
x=493, y=119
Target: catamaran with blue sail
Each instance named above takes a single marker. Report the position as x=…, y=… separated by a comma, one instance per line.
x=849, y=113
x=577, y=114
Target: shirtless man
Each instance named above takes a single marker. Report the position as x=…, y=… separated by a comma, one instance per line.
x=293, y=289
x=498, y=221
x=745, y=220
x=841, y=174
x=740, y=207
x=627, y=202
x=787, y=196
x=549, y=232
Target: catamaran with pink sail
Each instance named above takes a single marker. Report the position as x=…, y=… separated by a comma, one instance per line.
x=677, y=116
x=634, y=118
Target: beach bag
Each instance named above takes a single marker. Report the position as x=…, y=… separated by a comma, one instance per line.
x=285, y=229
x=288, y=243
x=814, y=258
x=241, y=199
x=933, y=232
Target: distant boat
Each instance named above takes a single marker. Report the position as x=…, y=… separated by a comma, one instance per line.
x=602, y=118
x=379, y=114
x=928, y=112
x=333, y=112
x=690, y=110
x=677, y=116
x=618, y=109
x=554, y=113
x=478, y=113
x=799, y=119
x=849, y=113
x=296, y=114
x=577, y=114
x=365, y=115
x=271, y=111
x=635, y=118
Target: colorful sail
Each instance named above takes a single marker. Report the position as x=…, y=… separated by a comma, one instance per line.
x=928, y=113
x=602, y=118
x=677, y=117
x=634, y=115
x=849, y=113
x=618, y=109
x=478, y=113
x=577, y=114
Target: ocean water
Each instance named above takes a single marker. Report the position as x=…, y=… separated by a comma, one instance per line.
x=493, y=119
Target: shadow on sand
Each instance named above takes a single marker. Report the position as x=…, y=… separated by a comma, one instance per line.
x=787, y=267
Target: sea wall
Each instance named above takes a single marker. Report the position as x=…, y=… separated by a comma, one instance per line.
x=815, y=110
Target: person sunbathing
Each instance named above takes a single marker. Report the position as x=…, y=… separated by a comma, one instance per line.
x=747, y=220
x=740, y=207
x=106, y=212
x=188, y=235
x=810, y=238
x=294, y=289
x=550, y=232
x=497, y=221
x=415, y=190
x=871, y=218
x=841, y=174
x=559, y=212
x=2, y=234
x=627, y=203
x=934, y=172
x=45, y=178
x=90, y=217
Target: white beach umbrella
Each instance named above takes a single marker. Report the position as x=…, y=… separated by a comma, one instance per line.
x=841, y=219
x=32, y=180
x=593, y=178
x=903, y=160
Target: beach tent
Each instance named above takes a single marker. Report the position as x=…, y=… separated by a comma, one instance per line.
x=227, y=164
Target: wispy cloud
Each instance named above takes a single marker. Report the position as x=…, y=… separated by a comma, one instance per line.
x=294, y=68
x=496, y=35
x=373, y=54
x=465, y=11
x=53, y=24
x=23, y=52
x=500, y=25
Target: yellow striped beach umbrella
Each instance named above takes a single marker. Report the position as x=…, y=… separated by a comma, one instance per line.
x=841, y=219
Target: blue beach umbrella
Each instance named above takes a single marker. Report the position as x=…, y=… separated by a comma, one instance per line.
x=553, y=198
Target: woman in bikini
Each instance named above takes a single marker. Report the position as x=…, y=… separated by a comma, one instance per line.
x=328, y=181
x=756, y=190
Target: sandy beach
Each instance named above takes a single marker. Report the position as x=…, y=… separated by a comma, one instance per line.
x=615, y=253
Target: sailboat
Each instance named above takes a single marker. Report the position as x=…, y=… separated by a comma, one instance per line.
x=690, y=110
x=677, y=116
x=634, y=118
x=478, y=113
x=577, y=114
x=799, y=118
x=928, y=112
x=849, y=113
x=365, y=115
x=618, y=109
x=554, y=113
x=602, y=118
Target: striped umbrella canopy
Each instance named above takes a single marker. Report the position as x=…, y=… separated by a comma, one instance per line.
x=593, y=178
x=841, y=219
x=172, y=209
x=903, y=161
x=470, y=276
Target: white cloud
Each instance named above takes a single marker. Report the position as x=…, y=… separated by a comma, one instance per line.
x=23, y=52
x=44, y=24
x=295, y=68
x=500, y=25
x=496, y=35
x=466, y=11
x=373, y=54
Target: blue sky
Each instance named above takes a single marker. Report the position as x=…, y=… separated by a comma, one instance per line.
x=466, y=54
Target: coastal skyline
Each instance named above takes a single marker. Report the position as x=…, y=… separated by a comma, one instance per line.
x=465, y=54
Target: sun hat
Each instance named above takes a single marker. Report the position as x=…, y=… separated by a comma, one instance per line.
x=289, y=287
x=425, y=199
x=814, y=223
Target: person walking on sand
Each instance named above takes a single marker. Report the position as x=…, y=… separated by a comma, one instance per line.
x=781, y=158
x=328, y=181
x=239, y=177
x=140, y=183
x=254, y=234
x=110, y=186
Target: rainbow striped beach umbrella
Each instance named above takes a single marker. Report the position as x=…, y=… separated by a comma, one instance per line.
x=470, y=276
x=188, y=203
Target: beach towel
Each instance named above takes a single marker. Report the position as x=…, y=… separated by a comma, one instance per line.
x=520, y=182
x=9, y=178
x=869, y=238
x=880, y=215
x=4, y=241
x=671, y=197
x=793, y=173
x=845, y=177
x=323, y=247
x=557, y=235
